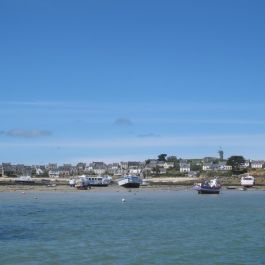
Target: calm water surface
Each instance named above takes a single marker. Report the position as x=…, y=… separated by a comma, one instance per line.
x=151, y=227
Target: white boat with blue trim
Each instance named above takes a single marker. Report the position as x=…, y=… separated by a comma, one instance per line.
x=130, y=182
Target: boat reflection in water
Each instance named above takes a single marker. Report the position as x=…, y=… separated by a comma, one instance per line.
x=208, y=187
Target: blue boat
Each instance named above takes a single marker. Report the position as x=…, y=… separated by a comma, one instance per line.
x=208, y=187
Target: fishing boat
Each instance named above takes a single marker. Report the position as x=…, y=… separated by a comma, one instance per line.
x=208, y=187
x=247, y=181
x=92, y=181
x=130, y=182
x=98, y=181
x=24, y=180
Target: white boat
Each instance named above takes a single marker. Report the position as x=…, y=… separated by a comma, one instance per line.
x=247, y=181
x=130, y=182
x=100, y=181
x=72, y=182
x=26, y=180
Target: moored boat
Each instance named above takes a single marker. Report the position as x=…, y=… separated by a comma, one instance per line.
x=130, y=182
x=24, y=180
x=91, y=181
x=208, y=187
x=247, y=181
x=98, y=181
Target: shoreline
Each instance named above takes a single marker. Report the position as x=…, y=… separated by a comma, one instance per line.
x=154, y=184
x=110, y=188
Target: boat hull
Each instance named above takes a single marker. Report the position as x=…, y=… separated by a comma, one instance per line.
x=208, y=191
x=247, y=186
x=130, y=182
x=247, y=181
x=81, y=187
x=98, y=185
x=131, y=185
x=22, y=182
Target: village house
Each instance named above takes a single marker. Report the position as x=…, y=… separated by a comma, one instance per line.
x=135, y=171
x=222, y=166
x=160, y=163
x=8, y=169
x=162, y=171
x=124, y=165
x=207, y=166
x=67, y=170
x=113, y=168
x=22, y=170
x=39, y=171
x=184, y=167
x=130, y=167
x=54, y=173
x=97, y=168
x=151, y=164
x=256, y=164
x=168, y=165
x=80, y=168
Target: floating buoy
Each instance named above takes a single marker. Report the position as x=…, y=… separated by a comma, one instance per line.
x=123, y=200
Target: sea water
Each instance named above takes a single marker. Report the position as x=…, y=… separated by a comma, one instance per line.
x=150, y=227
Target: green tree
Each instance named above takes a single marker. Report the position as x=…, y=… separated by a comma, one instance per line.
x=237, y=163
x=162, y=157
x=172, y=159
x=194, y=167
x=147, y=161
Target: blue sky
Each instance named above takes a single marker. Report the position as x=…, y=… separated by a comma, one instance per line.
x=128, y=80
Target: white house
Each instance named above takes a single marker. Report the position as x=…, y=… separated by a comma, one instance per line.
x=168, y=165
x=39, y=171
x=135, y=171
x=54, y=173
x=207, y=166
x=257, y=164
x=224, y=167
x=184, y=167
x=99, y=171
